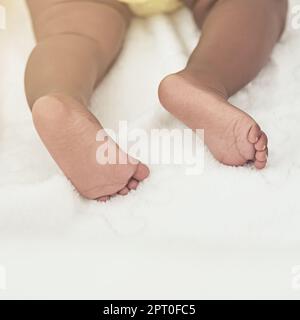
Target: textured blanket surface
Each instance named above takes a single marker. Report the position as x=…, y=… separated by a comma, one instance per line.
x=166, y=229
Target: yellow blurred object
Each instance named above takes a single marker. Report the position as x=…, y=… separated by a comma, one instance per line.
x=145, y=8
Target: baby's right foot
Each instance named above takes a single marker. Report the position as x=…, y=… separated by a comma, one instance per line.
x=69, y=132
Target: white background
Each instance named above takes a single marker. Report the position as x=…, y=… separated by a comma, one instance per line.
x=229, y=233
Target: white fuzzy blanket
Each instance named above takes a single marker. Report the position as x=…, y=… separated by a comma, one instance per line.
x=224, y=208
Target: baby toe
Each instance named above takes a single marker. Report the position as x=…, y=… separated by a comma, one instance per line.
x=133, y=184
x=104, y=199
x=261, y=156
x=254, y=133
x=124, y=192
x=260, y=164
x=262, y=143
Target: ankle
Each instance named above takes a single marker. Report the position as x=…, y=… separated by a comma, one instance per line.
x=63, y=98
x=206, y=79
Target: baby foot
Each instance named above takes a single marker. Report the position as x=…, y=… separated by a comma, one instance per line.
x=232, y=136
x=69, y=132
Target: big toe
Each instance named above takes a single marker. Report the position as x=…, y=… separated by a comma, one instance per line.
x=142, y=172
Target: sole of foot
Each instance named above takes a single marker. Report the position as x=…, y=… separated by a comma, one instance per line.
x=232, y=136
x=69, y=131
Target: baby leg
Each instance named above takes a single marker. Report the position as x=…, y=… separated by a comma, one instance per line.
x=237, y=39
x=77, y=41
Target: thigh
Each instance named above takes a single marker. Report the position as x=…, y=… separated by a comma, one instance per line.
x=77, y=42
x=86, y=17
x=38, y=6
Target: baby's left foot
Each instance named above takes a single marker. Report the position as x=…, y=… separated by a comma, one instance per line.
x=232, y=136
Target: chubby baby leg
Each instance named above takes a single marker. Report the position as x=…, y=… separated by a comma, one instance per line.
x=77, y=41
x=238, y=37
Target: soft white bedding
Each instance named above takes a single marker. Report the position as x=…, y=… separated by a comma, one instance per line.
x=136, y=246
